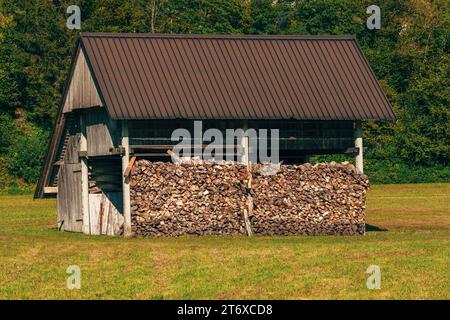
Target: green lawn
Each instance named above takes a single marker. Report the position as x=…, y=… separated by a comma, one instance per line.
x=413, y=255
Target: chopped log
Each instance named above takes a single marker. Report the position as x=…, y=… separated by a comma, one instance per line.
x=130, y=165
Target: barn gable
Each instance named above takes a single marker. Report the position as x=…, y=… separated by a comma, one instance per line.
x=82, y=92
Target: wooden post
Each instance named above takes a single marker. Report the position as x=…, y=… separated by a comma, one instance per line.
x=359, y=145
x=125, y=183
x=84, y=177
x=245, y=144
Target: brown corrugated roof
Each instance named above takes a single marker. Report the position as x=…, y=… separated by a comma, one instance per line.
x=164, y=76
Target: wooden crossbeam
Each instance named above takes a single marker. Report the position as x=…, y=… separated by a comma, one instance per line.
x=170, y=147
x=167, y=155
x=354, y=150
x=117, y=151
x=150, y=154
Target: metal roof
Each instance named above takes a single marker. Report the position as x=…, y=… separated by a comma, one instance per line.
x=165, y=76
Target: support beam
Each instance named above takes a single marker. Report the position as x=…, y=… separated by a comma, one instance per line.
x=359, y=145
x=84, y=177
x=125, y=183
x=245, y=144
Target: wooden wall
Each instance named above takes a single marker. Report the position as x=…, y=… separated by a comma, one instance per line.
x=105, y=213
x=104, y=172
x=102, y=133
x=82, y=92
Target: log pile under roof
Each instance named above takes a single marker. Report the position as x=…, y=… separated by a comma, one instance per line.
x=325, y=199
x=213, y=199
x=173, y=200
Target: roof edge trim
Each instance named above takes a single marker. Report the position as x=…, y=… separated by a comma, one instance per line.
x=216, y=36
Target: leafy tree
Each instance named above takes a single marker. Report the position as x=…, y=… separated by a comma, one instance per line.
x=33, y=58
x=26, y=154
x=202, y=16
x=410, y=56
x=267, y=17
x=114, y=16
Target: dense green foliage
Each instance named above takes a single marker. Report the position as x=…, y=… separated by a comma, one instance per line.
x=410, y=56
x=21, y=152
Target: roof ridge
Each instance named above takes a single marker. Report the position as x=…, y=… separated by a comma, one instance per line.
x=218, y=36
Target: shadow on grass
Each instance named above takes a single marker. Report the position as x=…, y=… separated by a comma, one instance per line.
x=370, y=228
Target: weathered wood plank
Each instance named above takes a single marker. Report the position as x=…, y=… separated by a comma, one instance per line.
x=82, y=92
x=359, y=161
x=69, y=198
x=50, y=190
x=105, y=213
x=71, y=155
x=84, y=178
x=125, y=184
x=101, y=133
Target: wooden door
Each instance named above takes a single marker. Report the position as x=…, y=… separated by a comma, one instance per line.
x=70, y=215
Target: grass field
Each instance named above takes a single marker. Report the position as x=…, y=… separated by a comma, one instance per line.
x=413, y=254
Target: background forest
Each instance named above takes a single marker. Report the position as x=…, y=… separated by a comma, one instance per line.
x=410, y=56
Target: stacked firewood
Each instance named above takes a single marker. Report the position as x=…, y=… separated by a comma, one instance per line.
x=324, y=199
x=204, y=199
x=172, y=200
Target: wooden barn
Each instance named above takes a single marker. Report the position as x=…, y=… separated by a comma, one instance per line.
x=126, y=93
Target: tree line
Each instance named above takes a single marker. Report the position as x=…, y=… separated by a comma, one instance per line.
x=409, y=56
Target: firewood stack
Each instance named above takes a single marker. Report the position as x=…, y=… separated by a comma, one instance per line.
x=173, y=200
x=210, y=199
x=324, y=199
